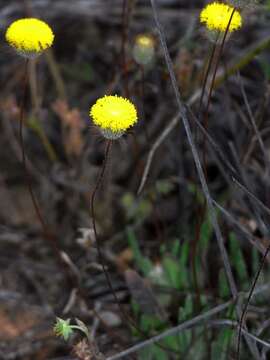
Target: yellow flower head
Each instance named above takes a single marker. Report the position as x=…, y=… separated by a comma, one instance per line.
x=216, y=16
x=113, y=115
x=29, y=36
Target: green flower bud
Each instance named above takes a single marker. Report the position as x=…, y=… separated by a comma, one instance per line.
x=144, y=49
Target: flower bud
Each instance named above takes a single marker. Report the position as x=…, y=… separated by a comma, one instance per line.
x=144, y=49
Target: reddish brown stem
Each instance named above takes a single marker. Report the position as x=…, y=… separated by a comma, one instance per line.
x=248, y=301
x=207, y=72
x=201, y=213
x=46, y=232
x=98, y=245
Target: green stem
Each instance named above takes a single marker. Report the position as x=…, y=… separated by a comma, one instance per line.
x=37, y=128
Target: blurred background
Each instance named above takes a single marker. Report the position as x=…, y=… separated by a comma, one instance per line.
x=158, y=244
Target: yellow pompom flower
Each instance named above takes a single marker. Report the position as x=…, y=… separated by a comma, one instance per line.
x=216, y=17
x=29, y=36
x=113, y=115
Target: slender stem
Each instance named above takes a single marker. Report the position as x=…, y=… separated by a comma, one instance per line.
x=207, y=72
x=201, y=212
x=205, y=118
x=253, y=286
x=219, y=54
x=98, y=245
x=48, y=235
x=33, y=86
x=34, y=124
x=22, y=109
x=218, y=62
x=92, y=210
x=184, y=118
x=206, y=126
x=242, y=318
x=56, y=74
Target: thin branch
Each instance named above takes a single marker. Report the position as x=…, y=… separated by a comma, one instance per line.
x=207, y=72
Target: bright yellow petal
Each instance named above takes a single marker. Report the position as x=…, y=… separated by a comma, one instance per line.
x=29, y=35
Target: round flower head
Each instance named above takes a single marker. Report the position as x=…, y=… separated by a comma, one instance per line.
x=29, y=36
x=113, y=115
x=216, y=17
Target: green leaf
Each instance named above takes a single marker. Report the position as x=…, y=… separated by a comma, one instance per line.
x=143, y=263
x=184, y=253
x=184, y=313
x=172, y=342
x=149, y=323
x=153, y=353
x=205, y=235
x=183, y=265
x=224, y=290
x=172, y=272
x=176, y=248
x=237, y=258
x=220, y=346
